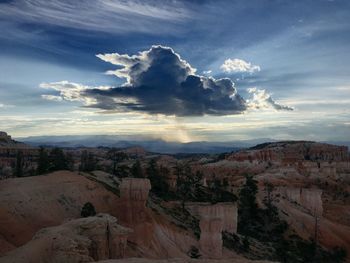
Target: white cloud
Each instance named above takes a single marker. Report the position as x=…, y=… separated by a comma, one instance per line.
x=52, y=97
x=4, y=106
x=207, y=72
x=99, y=15
x=260, y=99
x=69, y=91
x=238, y=65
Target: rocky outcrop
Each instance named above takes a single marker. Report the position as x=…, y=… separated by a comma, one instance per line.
x=230, y=217
x=211, y=225
x=291, y=152
x=80, y=240
x=9, y=152
x=309, y=199
x=213, y=220
x=235, y=259
x=229, y=213
x=31, y=203
x=132, y=210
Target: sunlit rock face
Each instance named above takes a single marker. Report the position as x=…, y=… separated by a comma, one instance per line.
x=132, y=210
x=309, y=199
x=80, y=240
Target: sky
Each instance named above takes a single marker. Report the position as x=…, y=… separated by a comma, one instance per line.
x=176, y=70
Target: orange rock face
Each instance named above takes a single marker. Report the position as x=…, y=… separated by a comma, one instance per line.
x=227, y=211
x=80, y=240
x=310, y=199
x=31, y=203
x=132, y=209
x=213, y=220
x=211, y=225
x=292, y=152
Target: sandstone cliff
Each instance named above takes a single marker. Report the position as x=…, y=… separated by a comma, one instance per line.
x=80, y=240
x=31, y=203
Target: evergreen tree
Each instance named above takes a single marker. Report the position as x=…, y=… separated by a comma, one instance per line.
x=116, y=156
x=187, y=183
x=87, y=162
x=43, y=161
x=136, y=170
x=58, y=160
x=88, y=210
x=158, y=181
x=247, y=206
x=19, y=164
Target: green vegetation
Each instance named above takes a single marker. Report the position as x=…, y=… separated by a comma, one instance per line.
x=60, y=161
x=43, y=161
x=116, y=156
x=19, y=164
x=88, y=162
x=194, y=252
x=187, y=183
x=88, y=210
x=266, y=228
x=136, y=170
x=158, y=176
x=54, y=160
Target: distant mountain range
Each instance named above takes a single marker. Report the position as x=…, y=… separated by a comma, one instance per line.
x=150, y=145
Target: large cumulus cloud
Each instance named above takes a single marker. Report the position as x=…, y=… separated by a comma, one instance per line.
x=158, y=81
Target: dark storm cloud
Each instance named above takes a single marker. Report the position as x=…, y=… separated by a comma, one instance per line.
x=159, y=81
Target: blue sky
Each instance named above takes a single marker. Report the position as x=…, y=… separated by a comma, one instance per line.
x=288, y=63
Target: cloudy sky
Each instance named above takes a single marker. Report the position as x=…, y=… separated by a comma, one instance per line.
x=177, y=70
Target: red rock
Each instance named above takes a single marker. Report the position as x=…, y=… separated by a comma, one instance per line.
x=80, y=240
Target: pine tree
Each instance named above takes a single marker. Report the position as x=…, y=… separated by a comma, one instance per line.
x=88, y=210
x=136, y=170
x=58, y=160
x=116, y=156
x=43, y=161
x=247, y=206
x=19, y=164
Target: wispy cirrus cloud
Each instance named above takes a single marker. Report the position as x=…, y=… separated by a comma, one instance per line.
x=113, y=16
x=5, y=106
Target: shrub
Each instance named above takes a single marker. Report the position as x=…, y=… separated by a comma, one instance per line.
x=194, y=252
x=88, y=210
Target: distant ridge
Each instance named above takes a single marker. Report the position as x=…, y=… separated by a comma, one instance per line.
x=154, y=145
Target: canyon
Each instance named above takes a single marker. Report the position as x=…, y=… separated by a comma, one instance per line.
x=40, y=219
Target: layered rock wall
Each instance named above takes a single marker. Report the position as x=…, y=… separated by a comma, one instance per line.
x=213, y=220
x=310, y=199
x=211, y=225
x=80, y=240
x=292, y=152
x=132, y=210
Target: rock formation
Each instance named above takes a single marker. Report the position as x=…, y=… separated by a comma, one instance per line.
x=31, y=203
x=80, y=240
x=229, y=213
x=211, y=225
x=132, y=209
x=310, y=199
x=9, y=150
x=213, y=220
x=291, y=152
